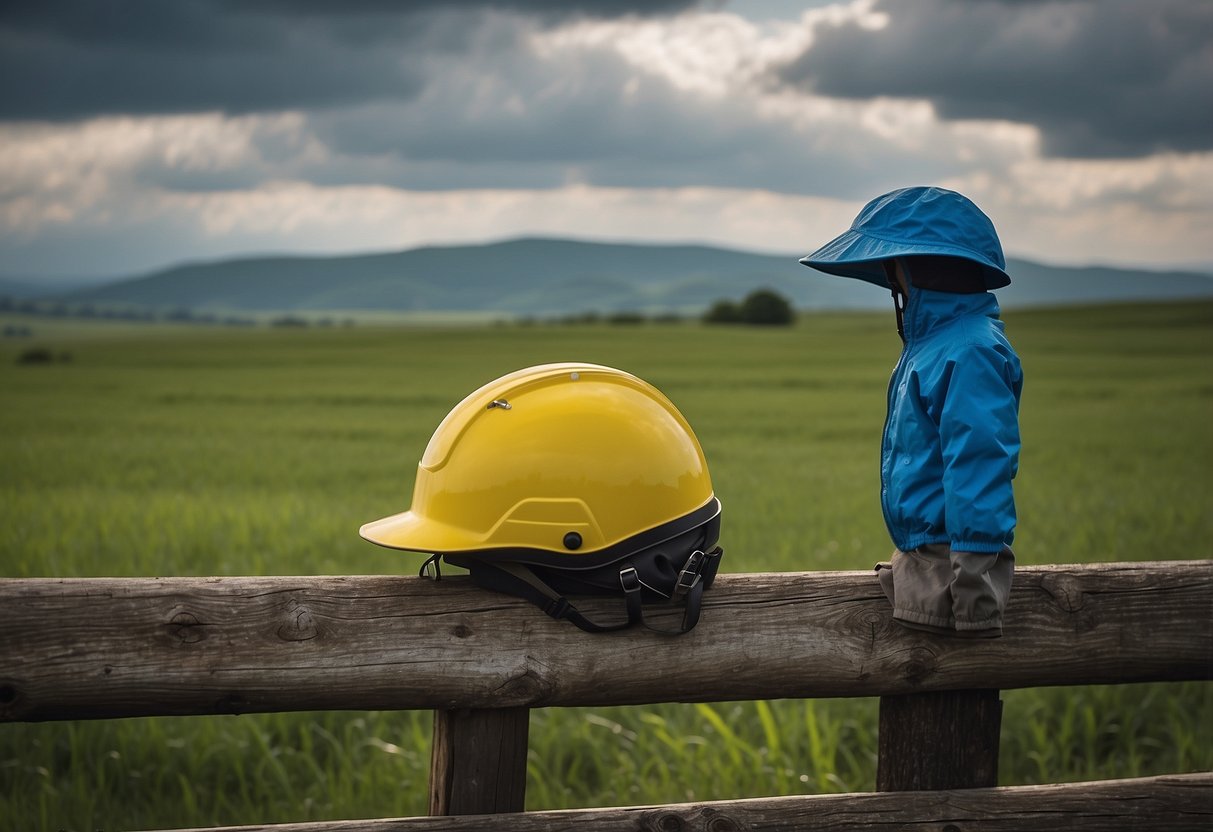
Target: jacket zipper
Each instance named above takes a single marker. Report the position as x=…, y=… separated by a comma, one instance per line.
x=886, y=450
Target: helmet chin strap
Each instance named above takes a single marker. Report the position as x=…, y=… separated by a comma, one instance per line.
x=518, y=579
x=521, y=580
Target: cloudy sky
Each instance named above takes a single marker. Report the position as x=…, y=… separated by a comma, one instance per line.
x=139, y=133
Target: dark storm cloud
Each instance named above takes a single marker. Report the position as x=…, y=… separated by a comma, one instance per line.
x=517, y=120
x=1100, y=78
x=77, y=58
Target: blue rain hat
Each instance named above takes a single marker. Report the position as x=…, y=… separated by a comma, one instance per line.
x=913, y=221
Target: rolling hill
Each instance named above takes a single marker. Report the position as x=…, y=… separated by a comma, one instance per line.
x=547, y=277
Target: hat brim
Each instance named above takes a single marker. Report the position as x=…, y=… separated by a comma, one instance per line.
x=858, y=255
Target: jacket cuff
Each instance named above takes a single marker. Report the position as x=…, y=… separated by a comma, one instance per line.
x=981, y=547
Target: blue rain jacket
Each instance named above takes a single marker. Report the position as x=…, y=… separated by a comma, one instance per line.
x=951, y=439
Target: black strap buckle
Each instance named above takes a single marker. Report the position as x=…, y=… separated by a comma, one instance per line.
x=689, y=576
x=629, y=579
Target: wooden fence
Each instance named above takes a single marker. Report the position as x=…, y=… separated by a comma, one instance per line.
x=95, y=648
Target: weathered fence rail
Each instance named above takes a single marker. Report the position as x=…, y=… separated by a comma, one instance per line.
x=88, y=648
x=82, y=648
x=1147, y=804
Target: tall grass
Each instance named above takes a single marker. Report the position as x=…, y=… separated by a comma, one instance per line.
x=161, y=451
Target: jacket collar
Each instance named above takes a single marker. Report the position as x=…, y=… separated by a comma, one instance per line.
x=928, y=310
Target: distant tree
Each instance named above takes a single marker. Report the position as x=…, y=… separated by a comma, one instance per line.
x=36, y=355
x=723, y=312
x=578, y=319
x=290, y=322
x=767, y=308
x=625, y=317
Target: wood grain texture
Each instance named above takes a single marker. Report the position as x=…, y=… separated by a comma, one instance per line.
x=478, y=761
x=117, y=647
x=1173, y=803
x=941, y=739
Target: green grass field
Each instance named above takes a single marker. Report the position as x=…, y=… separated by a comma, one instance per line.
x=194, y=451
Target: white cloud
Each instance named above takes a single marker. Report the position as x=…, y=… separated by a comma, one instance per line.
x=106, y=169
x=714, y=54
x=1152, y=212
x=704, y=54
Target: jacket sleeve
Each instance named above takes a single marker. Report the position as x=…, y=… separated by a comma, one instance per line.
x=979, y=435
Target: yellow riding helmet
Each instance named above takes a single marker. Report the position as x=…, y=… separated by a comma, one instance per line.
x=570, y=464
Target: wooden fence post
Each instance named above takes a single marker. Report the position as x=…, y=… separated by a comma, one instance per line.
x=478, y=761
x=938, y=740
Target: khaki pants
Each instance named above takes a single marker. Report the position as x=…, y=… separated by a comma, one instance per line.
x=956, y=593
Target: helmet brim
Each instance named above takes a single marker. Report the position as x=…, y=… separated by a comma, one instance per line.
x=413, y=532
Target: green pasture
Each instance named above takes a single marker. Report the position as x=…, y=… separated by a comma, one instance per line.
x=160, y=450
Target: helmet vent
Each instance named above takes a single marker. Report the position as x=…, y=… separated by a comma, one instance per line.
x=572, y=540
x=501, y=403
